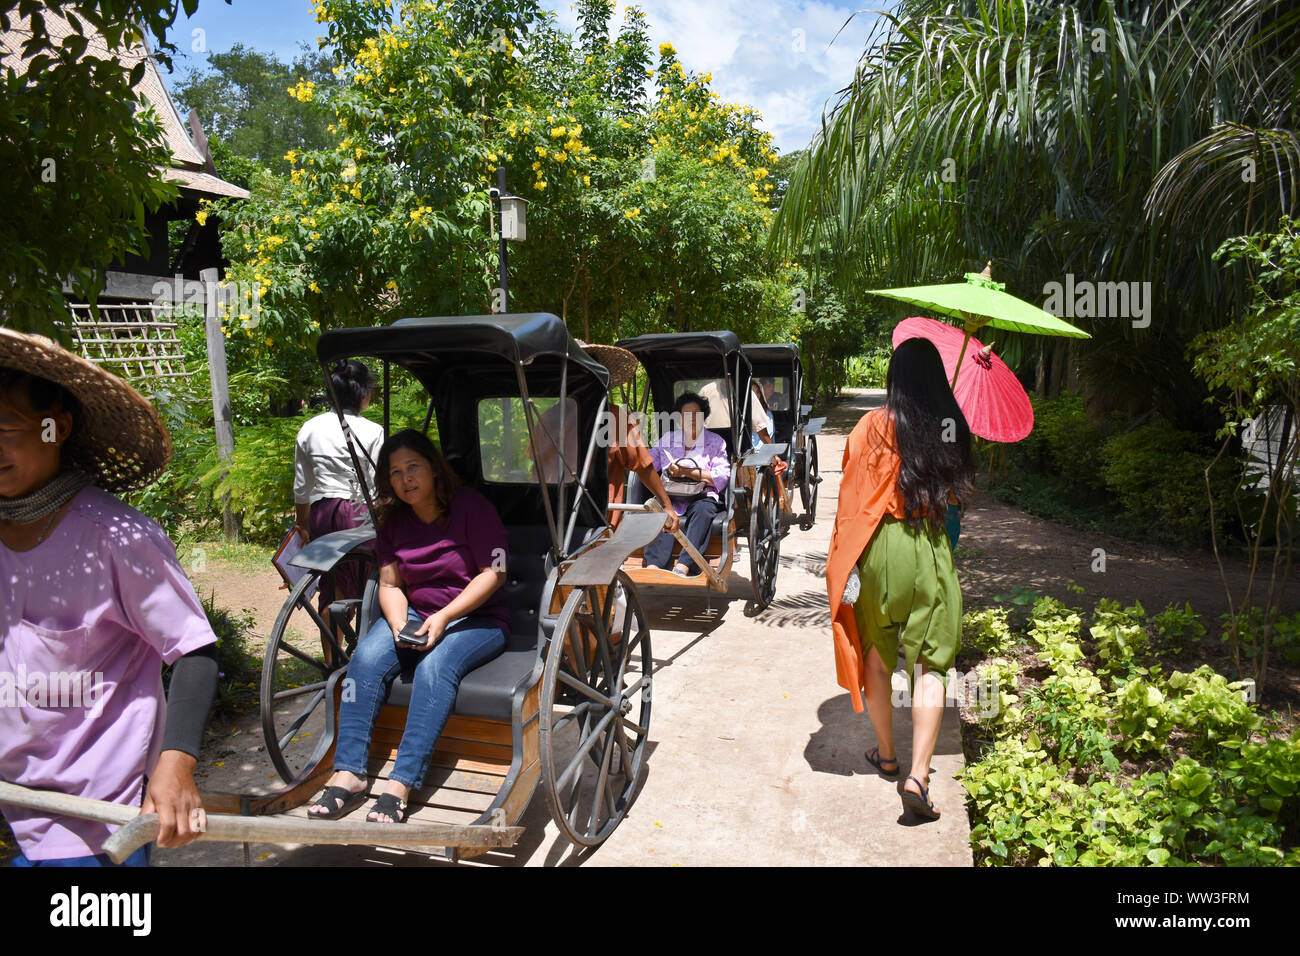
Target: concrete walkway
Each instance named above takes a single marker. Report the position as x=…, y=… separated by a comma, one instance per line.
x=756, y=754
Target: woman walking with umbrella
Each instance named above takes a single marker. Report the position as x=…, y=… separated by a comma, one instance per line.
x=890, y=574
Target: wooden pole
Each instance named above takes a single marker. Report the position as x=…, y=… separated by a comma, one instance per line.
x=220, y=388
x=139, y=829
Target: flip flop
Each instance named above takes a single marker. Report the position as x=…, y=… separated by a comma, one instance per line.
x=390, y=805
x=339, y=801
x=876, y=760
x=919, y=804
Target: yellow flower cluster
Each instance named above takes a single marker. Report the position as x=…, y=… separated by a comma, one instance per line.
x=304, y=91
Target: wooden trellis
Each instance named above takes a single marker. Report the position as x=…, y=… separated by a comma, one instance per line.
x=136, y=340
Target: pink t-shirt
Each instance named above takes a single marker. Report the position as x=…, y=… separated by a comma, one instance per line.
x=87, y=619
x=437, y=560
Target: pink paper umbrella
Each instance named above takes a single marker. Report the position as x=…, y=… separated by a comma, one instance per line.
x=987, y=391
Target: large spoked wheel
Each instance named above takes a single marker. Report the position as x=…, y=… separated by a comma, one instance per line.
x=595, y=710
x=764, y=538
x=306, y=646
x=808, y=484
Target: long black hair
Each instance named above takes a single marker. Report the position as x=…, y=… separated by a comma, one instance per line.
x=931, y=432
x=352, y=383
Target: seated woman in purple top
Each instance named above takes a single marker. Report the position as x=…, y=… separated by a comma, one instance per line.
x=708, y=452
x=442, y=561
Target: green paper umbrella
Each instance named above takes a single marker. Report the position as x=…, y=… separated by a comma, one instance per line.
x=979, y=301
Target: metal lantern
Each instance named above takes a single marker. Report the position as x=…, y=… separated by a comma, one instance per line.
x=514, y=222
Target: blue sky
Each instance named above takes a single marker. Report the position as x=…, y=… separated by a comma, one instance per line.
x=774, y=55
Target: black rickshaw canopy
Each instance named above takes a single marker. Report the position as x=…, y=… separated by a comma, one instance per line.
x=462, y=360
x=774, y=358
x=439, y=341
x=670, y=357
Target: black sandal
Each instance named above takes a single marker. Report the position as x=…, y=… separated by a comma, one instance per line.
x=338, y=801
x=391, y=806
x=876, y=760
x=920, y=804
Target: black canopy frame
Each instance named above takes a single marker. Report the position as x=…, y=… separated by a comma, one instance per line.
x=780, y=360
x=463, y=360
x=670, y=357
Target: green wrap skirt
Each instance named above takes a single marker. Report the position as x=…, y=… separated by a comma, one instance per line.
x=909, y=592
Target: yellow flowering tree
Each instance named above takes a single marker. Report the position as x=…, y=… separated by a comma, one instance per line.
x=650, y=200
x=647, y=200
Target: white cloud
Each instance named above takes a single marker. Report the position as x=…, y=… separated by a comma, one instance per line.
x=773, y=55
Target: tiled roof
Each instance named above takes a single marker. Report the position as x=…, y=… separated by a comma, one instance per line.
x=185, y=154
x=205, y=183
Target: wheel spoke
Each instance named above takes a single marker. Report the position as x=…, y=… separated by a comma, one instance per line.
x=575, y=713
x=574, y=648
x=305, y=658
x=602, y=782
x=297, y=691
x=600, y=632
x=568, y=680
x=585, y=747
x=302, y=719
x=624, y=751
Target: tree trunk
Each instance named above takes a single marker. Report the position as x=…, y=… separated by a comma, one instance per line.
x=586, y=308
x=1058, y=369
x=617, y=312
x=1040, y=373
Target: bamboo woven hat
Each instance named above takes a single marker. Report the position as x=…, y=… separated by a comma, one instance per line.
x=119, y=438
x=620, y=362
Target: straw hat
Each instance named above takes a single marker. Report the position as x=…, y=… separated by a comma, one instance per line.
x=119, y=438
x=620, y=362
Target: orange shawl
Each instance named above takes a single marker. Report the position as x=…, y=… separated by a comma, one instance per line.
x=868, y=492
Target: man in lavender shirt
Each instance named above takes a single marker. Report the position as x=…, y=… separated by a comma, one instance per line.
x=708, y=452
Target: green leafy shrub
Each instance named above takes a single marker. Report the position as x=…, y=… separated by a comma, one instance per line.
x=1284, y=641
x=1055, y=629
x=1173, y=627
x=1070, y=710
x=1223, y=800
x=869, y=370
x=986, y=630
x=1022, y=801
x=1210, y=708
x=1064, y=443
x=238, y=670
x=1120, y=635
x=258, y=477
x=1143, y=716
x=1269, y=772
x=1157, y=475
x=999, y=679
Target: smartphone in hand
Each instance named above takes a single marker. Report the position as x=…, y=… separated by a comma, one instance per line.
x=408, y=635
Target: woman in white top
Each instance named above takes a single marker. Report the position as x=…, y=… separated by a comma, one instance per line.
x=325, y=490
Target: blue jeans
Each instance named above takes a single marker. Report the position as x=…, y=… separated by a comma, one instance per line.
x=466, y=645
x=139, y=858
